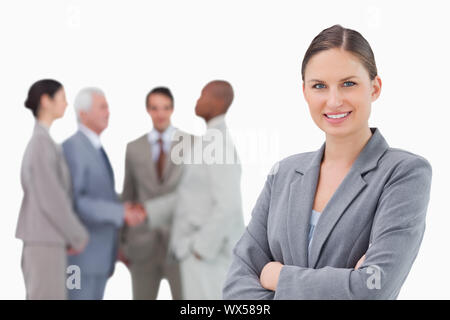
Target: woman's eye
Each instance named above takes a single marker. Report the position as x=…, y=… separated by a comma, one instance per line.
x=349, y=84
x=319, y=86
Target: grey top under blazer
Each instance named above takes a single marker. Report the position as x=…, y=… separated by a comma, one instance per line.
x=96, y=203
x=46, y=216
x=378, y=210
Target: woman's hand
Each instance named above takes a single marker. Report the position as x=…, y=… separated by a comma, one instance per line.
x=360, y=262
x=74, y=252
x=270, y=274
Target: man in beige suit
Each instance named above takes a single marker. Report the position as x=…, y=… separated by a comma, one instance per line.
x=151, y=179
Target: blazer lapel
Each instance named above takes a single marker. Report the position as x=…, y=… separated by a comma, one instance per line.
x=301, y=198
x=167, y=168
x=168, y=165
x=62, y=170
x=348, y=190
x=147, y=156
x=96, y=155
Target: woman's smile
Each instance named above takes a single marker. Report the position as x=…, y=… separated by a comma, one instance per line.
x=335, y=118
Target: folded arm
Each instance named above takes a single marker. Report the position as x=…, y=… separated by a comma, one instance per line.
x=397, y=233
x=251, y=254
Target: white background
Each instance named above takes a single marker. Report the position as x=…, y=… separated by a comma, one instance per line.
x=128, y=47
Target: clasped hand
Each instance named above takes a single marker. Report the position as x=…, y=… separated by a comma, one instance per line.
x=134, y=214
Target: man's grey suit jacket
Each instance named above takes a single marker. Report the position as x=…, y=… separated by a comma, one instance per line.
x=96, y=203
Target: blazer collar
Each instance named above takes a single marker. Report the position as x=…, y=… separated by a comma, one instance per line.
x=166, y=136
x=95, y=153
x=146, y=148
x=302, y=194
x=91, y=135
x=41, y=128
x=366, y=161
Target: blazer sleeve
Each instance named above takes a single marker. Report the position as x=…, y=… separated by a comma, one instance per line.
x=251, y=254
x=129, y=185
x=160, y=210
x=128, y=194
x=53, y=200
x=91, y=210
x=397, y=233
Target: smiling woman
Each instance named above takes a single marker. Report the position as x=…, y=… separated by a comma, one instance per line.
x=340, y=82
x=345, y=221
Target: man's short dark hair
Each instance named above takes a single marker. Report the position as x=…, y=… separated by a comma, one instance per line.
x=160, y=90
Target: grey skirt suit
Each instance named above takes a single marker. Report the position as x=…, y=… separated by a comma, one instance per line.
x=47, y=224
x=378, y=210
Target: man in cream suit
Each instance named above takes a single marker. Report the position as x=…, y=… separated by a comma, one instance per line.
x=208, y=217
x=94, y=196
x=151, y=179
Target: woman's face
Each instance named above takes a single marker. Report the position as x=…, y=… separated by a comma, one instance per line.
x=55, y=106
x=60, y=103
x=339, y=92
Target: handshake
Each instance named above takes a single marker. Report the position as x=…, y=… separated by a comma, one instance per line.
x=134, y=214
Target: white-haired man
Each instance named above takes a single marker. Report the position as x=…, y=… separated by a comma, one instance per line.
x=94, y=197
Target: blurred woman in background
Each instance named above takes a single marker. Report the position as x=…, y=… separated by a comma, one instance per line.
x=47, y=224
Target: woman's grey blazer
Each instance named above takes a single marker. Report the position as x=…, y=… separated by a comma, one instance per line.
x=46, y=215
x=378, y=210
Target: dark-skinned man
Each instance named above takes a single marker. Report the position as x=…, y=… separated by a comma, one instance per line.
x=208, y=216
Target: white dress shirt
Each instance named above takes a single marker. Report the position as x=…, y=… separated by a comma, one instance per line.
x=166, y=137
x=91, y=135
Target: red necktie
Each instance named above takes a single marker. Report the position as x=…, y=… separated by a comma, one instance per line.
x=161, y=160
